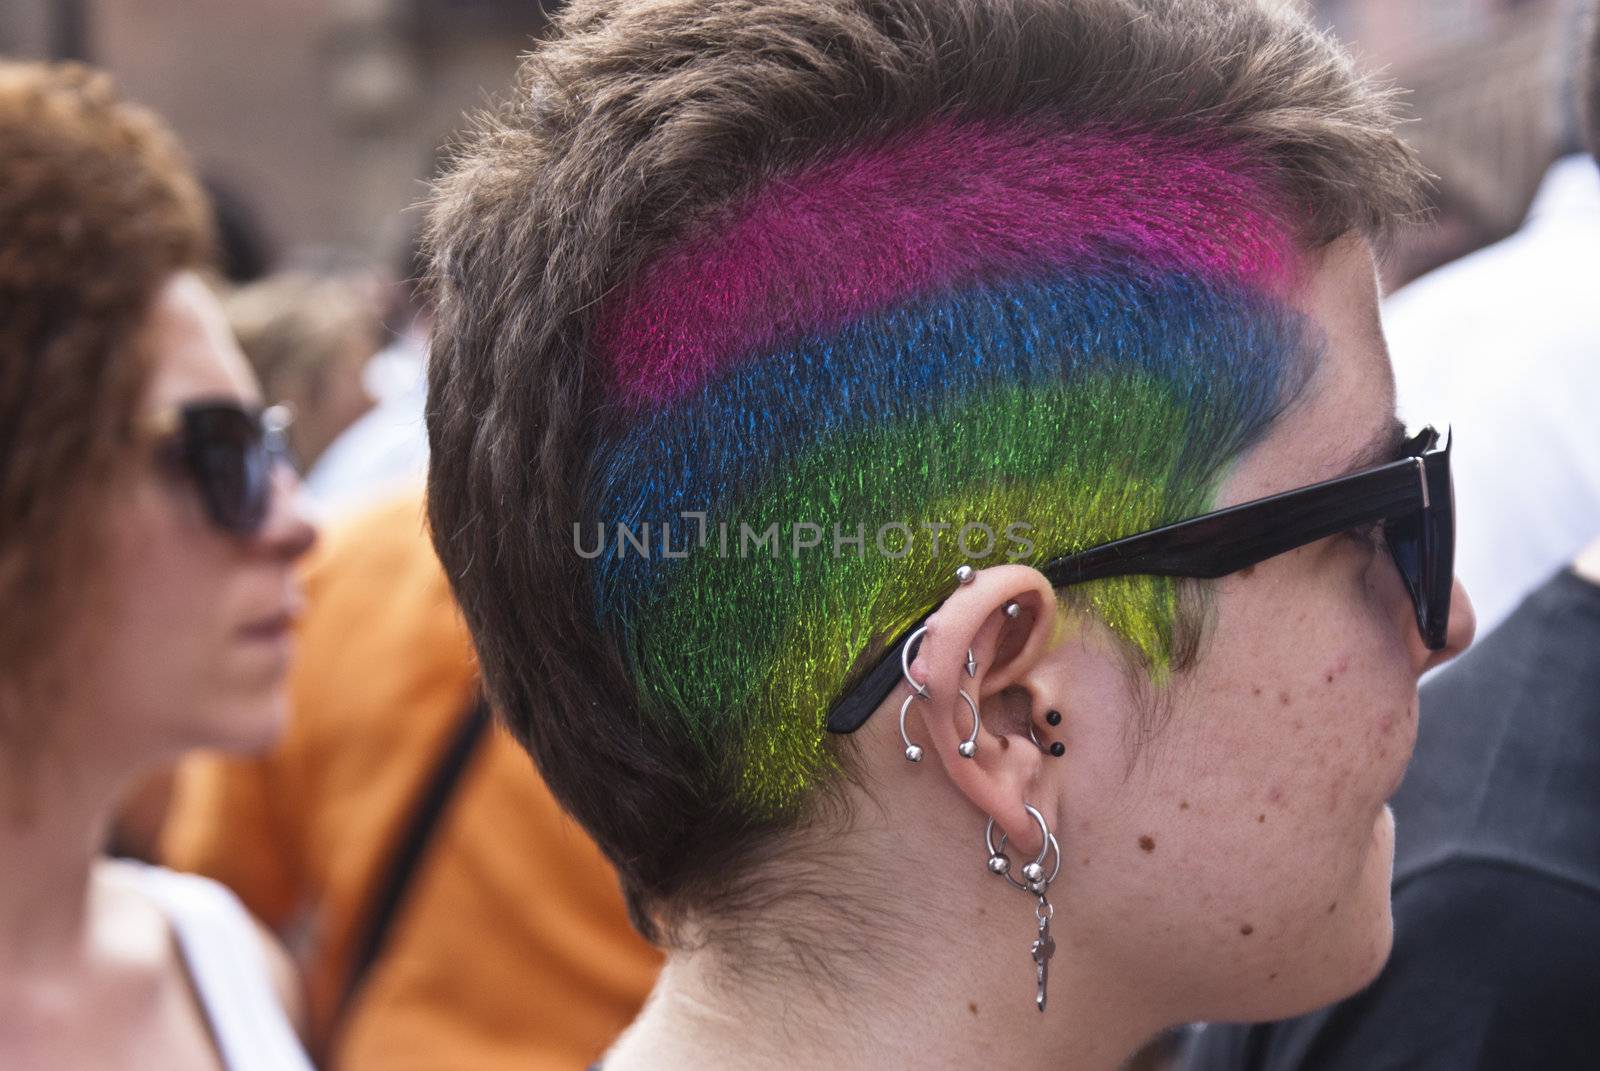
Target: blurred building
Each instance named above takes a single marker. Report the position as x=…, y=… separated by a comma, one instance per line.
x=325, y=115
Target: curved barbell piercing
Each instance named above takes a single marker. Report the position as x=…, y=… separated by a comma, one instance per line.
x=905, y=662
x=913, y=752
x=969, y=746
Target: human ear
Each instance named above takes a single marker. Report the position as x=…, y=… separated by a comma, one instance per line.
x=1006, y=617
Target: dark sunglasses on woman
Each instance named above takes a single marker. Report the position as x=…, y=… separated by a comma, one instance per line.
x=229, y=452
x=1411, y=498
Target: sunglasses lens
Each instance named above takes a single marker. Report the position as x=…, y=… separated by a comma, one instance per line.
x=1404, y=539
x=231, y=466
x=1423, y=547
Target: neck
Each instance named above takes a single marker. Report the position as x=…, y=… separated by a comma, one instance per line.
x=932, y=974
x=54, y=819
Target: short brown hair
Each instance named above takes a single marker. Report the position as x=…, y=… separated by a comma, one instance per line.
x=97, y=209
x=639, y=122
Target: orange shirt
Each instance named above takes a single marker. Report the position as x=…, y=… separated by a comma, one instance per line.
x=513, y=949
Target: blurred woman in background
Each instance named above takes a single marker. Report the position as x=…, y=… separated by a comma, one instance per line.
x=147, y=540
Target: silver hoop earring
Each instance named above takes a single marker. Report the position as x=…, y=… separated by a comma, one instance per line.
x=969, y=746
x=1000, y=863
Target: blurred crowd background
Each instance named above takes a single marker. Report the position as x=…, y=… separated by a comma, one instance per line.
x=316, y=125
x=319, y=121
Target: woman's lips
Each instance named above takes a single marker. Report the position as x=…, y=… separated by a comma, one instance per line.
x=275, y=627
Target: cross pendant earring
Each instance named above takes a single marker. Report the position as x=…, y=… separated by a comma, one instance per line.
x=1044, y=946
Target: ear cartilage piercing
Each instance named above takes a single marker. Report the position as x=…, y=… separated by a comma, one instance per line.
x=972, y=664
x=965, y=574
x=1058, y=749
x=969, y=746
x=1012, y=610
x=914, y=640
x=1053, y=717
x=913, y=752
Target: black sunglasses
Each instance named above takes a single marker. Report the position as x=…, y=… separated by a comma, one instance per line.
x=229, y=451
x=1412, y=498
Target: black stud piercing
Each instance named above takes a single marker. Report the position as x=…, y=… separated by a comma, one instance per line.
x=1058, y=749
x=1054, y=717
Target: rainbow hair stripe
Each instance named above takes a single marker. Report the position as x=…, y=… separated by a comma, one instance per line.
x=965, y=325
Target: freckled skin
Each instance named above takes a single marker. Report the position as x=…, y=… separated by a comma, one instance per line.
x=1333, y=608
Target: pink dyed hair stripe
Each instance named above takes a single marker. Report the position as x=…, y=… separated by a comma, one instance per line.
x=943, y=206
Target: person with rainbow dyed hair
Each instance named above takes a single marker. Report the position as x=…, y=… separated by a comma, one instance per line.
x=923, y=480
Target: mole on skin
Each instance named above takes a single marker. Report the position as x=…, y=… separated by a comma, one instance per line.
x=1247, y=929
x=1147, y=843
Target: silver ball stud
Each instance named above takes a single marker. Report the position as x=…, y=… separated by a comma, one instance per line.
x=968, y=749
x=964, y=574
x=913, y=753
x=1037, y=888
x=999, y=864
x=1012, y=610
x=1033, y=871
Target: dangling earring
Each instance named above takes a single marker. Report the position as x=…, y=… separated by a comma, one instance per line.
x=1038, y=885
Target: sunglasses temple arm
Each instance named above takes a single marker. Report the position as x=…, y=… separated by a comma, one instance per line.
x=871, y=690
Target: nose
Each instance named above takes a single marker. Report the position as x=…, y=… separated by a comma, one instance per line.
x=1463, y=626
x=287, y=532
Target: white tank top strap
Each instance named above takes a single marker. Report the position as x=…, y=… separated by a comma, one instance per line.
x=222, y=948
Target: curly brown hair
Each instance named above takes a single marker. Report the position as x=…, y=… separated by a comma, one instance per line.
x=98, y=208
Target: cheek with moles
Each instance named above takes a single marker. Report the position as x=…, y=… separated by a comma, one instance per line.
x=1268, y=788
x=1243, y=862
x=1246, y=861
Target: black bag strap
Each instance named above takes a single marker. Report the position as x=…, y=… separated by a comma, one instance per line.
x=390, y=893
